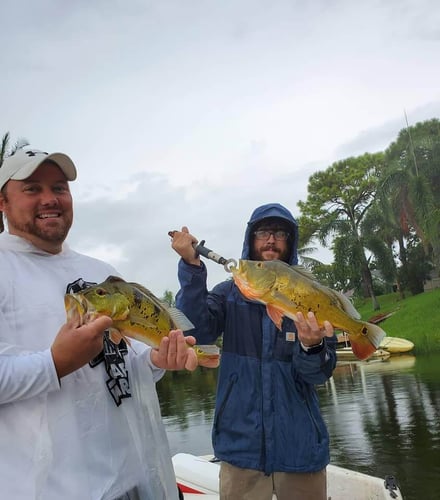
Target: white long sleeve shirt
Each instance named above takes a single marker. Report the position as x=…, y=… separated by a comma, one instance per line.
x=69, y=439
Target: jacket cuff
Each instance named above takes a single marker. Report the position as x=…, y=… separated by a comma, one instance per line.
x=314, y=349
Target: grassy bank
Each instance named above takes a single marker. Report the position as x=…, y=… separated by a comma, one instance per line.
x=416, y=318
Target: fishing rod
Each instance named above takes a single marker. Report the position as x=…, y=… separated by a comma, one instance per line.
x=210, y=254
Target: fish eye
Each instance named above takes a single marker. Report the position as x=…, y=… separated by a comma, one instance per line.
x=101, y=291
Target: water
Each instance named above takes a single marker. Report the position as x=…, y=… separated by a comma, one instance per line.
x=383, y=418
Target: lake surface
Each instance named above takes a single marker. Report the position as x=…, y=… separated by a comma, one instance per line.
x=383, y=418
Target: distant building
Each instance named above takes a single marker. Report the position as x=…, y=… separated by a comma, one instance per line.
x=432, y=282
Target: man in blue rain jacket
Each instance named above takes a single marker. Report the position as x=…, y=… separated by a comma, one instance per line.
x=268, y=430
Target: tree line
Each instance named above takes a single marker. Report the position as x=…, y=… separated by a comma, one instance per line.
x=379, y=213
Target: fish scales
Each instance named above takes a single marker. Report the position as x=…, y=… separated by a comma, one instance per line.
x=286, y=290
x=136, y=312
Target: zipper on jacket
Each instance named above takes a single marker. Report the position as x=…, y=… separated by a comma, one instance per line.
x=232, y=381
x=305, y=398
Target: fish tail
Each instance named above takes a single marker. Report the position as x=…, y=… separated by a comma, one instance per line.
x=207, y=355
x=371, y=336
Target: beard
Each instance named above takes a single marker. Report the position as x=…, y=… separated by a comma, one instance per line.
x=281, y=254
x=55, y=232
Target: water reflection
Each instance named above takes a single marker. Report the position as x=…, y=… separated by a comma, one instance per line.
x=383, y=418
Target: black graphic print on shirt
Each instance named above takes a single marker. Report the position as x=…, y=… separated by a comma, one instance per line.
x=112, y=355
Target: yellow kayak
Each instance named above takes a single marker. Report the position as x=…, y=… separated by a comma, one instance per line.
x=346, y=354
x=396, y=345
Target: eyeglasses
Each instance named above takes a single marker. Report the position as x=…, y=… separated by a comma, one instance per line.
x=265, y=234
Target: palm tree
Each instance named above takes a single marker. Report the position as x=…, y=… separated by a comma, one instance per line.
x=168, y=298
x=381, y=232
x=5, y=151
x=338, y=199
x=410, y=182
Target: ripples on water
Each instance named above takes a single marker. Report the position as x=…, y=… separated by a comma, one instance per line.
x=383, y=418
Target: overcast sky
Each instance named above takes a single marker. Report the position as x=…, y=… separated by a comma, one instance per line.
x=194, y=112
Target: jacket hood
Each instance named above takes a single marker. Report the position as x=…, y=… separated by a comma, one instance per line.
x=271, y=210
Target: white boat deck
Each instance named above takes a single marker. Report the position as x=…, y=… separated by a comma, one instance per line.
x=198, y=476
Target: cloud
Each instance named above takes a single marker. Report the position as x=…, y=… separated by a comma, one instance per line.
x=194, y=113
x=380, y=137
x=131, y=232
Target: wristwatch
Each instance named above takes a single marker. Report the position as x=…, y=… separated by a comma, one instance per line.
x=312, y=348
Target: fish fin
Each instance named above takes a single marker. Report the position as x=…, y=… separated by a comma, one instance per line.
x=114, y=279
x=297, y=268
x=143, y=289
x=287, y=303
x=209, y=362
x=374, y=333
x=305, y=272
x=116, y=336
x=178, y=318
x=74, y=311
x=342, y=299
x=209, y=349
x=207, y=355
x=275, y=314
x=362, y=350
x=181, y=322
x=248, y=293
x=346, y=304
x=150, y=295
x=369, y=342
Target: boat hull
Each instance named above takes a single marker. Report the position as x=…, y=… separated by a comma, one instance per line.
x=396, y=345
x=199, y=476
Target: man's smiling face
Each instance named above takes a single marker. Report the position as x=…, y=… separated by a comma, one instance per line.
x=39, y=208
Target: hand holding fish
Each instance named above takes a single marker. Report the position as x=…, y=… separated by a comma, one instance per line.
x=309, y=332
x=173, y=352
x=182, y=242
x=139, y=314
x=290, y=290
x=74, y=346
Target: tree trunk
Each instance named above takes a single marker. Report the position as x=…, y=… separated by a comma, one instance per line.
x=368, y=282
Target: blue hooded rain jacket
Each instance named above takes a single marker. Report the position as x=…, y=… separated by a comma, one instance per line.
x=267, y=413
